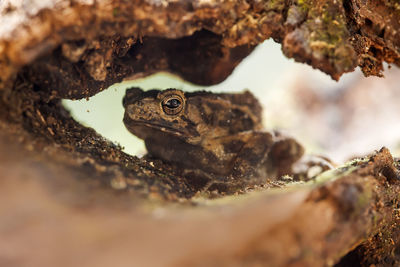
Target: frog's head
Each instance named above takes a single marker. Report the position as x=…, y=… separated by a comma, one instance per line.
x=191, y=117
x=154, y=111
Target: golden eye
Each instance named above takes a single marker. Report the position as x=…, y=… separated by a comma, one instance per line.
x=172, y=104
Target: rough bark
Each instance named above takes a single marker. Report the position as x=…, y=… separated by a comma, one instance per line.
x=67, y=196
x=56, y=215
x=84, y=46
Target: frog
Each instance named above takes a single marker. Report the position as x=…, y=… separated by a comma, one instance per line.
x=214, y=139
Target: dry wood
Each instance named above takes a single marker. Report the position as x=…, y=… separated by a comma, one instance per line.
x=69, y=197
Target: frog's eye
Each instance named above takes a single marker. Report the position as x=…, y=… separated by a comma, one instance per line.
x=172, y=104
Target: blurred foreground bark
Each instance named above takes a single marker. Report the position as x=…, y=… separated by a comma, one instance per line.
x=57, y=215
x=68, y=196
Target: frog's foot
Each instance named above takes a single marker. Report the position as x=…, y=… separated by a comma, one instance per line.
x=252, y=156
x=213, y=186
x=310, y=166
x=282, y=156
x=204, y=182
x=218, y=189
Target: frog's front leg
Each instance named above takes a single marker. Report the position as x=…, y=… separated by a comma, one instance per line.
x=252, y=156
x=245, y=154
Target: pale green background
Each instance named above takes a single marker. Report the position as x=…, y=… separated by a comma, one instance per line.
x=266, y=72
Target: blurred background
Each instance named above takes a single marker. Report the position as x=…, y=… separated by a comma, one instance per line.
x=340, y=120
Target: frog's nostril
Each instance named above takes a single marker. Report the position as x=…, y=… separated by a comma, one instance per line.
x=133, y=111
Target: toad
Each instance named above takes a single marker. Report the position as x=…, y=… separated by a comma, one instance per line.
x=214, y=139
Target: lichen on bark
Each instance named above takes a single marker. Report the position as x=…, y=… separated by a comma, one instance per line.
x=322, y=35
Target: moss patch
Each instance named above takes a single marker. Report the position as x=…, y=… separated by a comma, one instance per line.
x=329, y=35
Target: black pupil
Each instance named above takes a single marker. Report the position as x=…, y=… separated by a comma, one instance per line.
x=173, y=103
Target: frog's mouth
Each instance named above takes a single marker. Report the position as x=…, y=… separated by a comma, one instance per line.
x=155, y=126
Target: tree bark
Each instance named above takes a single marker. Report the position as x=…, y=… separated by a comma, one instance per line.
x=97, y=43
x=70, y=197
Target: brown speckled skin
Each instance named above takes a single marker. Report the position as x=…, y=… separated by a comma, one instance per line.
x=219, y=136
